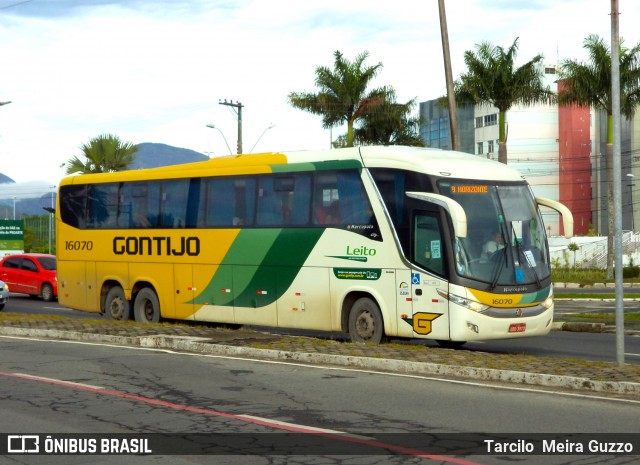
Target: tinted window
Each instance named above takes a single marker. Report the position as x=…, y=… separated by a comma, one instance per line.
x=229, y=201
x=11, y=263
x=28, y=265
x=284, y=200
x=73, y=202
x=48, y=263
x=336, y=198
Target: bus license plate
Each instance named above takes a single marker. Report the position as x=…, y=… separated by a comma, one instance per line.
x=517, y=328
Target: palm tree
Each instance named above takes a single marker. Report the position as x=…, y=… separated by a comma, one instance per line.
x=104, y=154
x=342, y=96
x=390, y=123
x=492, y=78
x=589, y=85
x=573, y=247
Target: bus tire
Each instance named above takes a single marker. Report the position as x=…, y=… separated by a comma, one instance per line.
x=146, y=306
x=365, y=322
x=116, y=305
x=47, y=292
x=450, y=344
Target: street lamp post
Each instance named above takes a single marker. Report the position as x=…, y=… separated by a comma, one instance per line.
x=14, y=207
x=271, y=126
x=631, y=184
x=51, y=218
x=222, y=133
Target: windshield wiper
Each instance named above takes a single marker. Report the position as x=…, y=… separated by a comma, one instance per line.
x=498, y=267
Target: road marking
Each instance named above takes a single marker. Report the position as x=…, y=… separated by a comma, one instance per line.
x=275, y=424
x=57, y=381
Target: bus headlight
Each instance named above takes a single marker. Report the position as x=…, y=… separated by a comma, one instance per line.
x=548, y=302
x=470, y=304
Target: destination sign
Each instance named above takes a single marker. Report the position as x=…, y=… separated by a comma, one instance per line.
x=467, y=189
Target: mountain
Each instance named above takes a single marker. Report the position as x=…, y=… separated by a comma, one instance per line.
x=152, y=155
x=149, y=155
x=4, y=179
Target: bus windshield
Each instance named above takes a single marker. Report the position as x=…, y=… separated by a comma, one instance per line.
x=506, y=241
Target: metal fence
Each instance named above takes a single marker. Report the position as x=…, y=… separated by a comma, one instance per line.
x=40, y=233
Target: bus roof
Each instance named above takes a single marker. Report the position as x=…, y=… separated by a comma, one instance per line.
x=426, y=160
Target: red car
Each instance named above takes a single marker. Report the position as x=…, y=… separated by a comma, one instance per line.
x=31, y=273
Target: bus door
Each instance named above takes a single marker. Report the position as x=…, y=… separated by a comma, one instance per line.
x=430, y=310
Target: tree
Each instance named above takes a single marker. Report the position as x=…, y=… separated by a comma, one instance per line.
x=389, y=123
x=589, y=85
x=104, y=154
x=342, y=96
x=573, y=247
x=492, y=78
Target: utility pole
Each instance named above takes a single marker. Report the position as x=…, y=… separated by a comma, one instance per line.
x=238, y=109
x=617, y=212
x=453, y=113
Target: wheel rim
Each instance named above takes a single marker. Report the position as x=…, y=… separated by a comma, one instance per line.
x=365, y=326
x=46, y=293
x=116, y=309
x=147, y=310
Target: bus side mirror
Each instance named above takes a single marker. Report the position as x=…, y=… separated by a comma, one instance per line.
x=455, y=210
x=567, y=216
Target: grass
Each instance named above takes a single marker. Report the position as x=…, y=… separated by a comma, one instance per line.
x=585, y=276
x=569, y=295
x=631, y=319
x=608, y=316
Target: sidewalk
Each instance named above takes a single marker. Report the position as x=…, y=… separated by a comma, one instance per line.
x=400, y=357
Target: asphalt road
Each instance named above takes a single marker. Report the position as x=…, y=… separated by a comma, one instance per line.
x=53, y=387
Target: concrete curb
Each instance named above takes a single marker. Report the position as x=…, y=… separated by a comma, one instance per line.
x=196, y=344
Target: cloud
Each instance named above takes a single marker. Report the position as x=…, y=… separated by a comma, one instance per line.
x=155, y=70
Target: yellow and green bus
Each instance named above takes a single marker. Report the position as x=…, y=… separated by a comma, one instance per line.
x=375, y=241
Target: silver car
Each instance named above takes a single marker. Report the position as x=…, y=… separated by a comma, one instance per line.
x=4, y=294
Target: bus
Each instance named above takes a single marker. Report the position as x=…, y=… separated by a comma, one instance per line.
x=376, y=242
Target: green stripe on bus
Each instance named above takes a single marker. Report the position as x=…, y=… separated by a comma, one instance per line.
x=317, y=166
x=261, y=264
x=538, y=296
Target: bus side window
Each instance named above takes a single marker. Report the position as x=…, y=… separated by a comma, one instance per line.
x=174, y=200
x=73, y=205
x=325, y=199
x=300, y=200
x=102, y=205
x=270, y=208
x=354, y=204
x=284, y=199
x=220, y=193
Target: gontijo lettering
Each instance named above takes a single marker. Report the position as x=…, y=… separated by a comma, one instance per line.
x=156, y=245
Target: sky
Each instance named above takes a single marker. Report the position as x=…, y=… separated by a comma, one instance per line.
x=157, y=70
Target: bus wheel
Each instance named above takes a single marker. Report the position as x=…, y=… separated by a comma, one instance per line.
x=116, y=306
x=146, y=307
x=450, y=344
x=47, y=292
x=365, y=322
